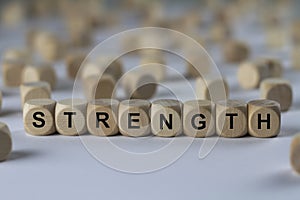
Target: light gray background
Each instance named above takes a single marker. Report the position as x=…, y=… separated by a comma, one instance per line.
x=59, y=167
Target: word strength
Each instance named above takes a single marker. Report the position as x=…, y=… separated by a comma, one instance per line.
x=165, y=118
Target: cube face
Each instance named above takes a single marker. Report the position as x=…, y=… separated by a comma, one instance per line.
x=139, y=85
x=166, y=118
x=38, y=117
x=70, y=117
x=279, y=90
x=231, y=118
x=134, y=118
x=198, y=118
x=102, y=117
x=264, y=118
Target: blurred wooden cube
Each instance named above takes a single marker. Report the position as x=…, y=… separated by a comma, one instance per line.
x=39, y=72
x=34, y=90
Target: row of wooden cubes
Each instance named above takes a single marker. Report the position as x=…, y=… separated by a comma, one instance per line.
x=165, y=118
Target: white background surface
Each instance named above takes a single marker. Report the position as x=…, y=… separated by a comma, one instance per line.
x=59, y=167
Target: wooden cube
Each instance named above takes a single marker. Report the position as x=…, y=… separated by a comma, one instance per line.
x=250, y=74
x=103, y=65
x=166, y=118
x=264, y=118
x=279, y=90
x=112, y=67
x=73, y=61
x=5, y=141
x=96, y=87
x=235, y=51
x=211, y=88
x=203, y=65
x=39, y=72
x=102, y=117
x=70, y=117
x=48, y=45
x=231, y=118
x=139, y=84
x=134, y=117
x=34, y=90
x=12, y=72
x=295, y=153
x=198, y=118
x=274, y=66
x=38, y=116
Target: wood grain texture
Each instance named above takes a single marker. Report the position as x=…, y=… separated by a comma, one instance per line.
x=231, y=118
x=5, y=141
x=198, y=118
x=105, y=109
x=39, y=72
x=258, y=112
x=34, y=90
x=134, y=117
x=39, y=117
x=12, y=70
x=70, y=117
x=166, y=118
x=295, y=153
x=277, y=89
